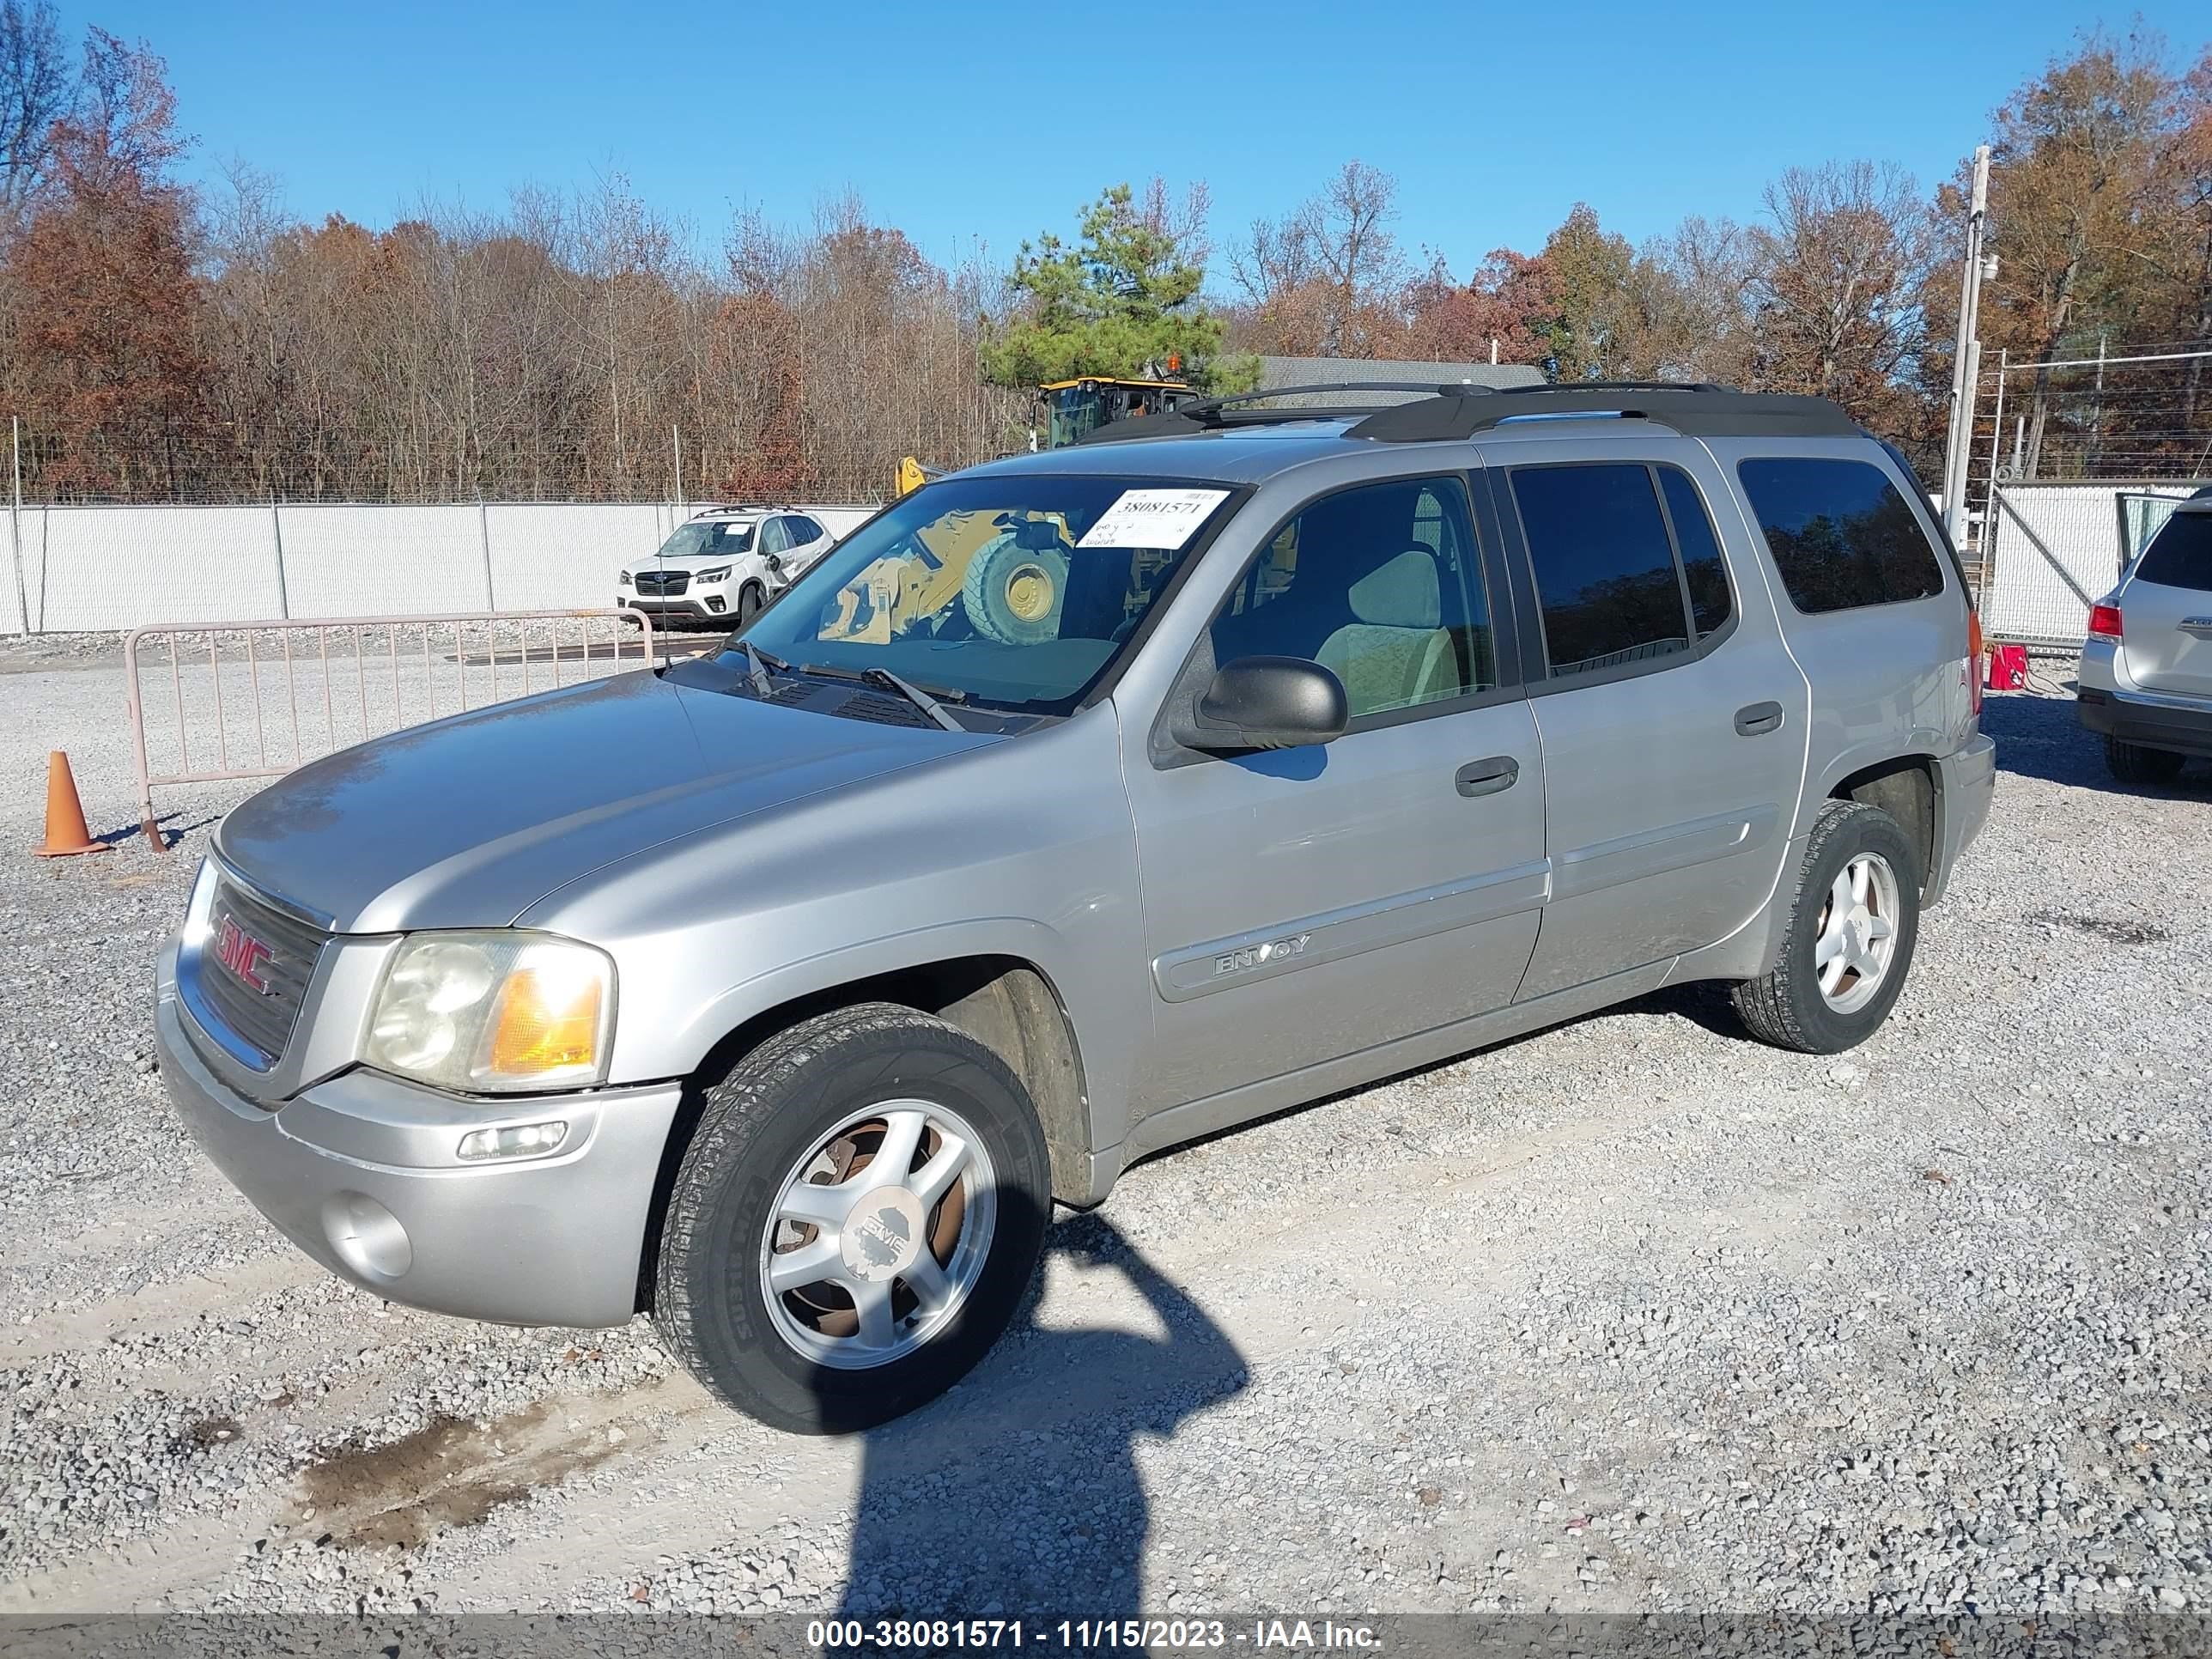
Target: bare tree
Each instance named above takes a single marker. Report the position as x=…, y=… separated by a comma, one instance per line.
x=1839, y=271
x=36, y=90
x=1328, y=279
x=1691, y=290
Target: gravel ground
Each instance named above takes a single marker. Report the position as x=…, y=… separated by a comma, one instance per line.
x=1632, y=1314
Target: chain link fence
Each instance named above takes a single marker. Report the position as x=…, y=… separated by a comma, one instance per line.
x=2053, y=549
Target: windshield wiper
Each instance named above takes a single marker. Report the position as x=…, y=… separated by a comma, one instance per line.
x=757, y=662
x=914, y=695
x=931, y=706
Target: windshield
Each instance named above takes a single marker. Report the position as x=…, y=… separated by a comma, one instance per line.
x=691, y=540
x=1014, y=592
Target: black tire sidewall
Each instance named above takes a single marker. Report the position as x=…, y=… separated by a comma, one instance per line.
x=2133, y=763
x=1868, y=830
x=748, y=1363
x=750, y=601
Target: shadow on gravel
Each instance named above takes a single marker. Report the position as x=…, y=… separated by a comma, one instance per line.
x=2044, y=738
x=1021, y=1492
x=170, y=837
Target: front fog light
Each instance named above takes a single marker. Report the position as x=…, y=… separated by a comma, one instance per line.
x=527, y=1141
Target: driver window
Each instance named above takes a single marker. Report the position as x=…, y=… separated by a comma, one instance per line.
x=1379, y=585
x=772, y=538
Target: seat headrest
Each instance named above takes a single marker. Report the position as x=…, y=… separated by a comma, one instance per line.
x=1401, y=593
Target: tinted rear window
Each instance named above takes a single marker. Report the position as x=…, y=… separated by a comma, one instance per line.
x=2180, y=555
x=1840, y=534
x=1605, y=570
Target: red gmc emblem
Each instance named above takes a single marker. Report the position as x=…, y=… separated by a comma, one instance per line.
x=244, y=955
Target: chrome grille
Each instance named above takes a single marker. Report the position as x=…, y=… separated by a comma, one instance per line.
x=263, y=1020
x=663, y=583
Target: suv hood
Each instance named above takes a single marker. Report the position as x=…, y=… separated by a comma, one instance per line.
x=689, y=560
x=468, y=821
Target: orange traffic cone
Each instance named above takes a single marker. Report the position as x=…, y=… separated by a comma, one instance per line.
x=65, y=828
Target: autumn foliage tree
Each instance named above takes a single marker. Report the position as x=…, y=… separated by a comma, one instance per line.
x=107, y=303
x=163, y=343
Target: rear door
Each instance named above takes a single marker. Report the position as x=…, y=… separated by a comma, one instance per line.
x=808, y=543
x=1673, y=718
x=2166, y=609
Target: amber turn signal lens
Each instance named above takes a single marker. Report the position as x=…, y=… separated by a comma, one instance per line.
x=548, y=1020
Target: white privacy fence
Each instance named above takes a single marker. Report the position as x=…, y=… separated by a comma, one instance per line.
x=84, y=568
x=2054, y=549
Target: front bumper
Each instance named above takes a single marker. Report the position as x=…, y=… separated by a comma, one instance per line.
x=1969, y=783
x=690, y=607
x=363, y=1173
x=2183, y=726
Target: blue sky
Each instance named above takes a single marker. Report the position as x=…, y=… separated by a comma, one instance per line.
x=993, y=120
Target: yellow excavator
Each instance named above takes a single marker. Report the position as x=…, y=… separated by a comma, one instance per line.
x=1073, y=409
x=1011, y=576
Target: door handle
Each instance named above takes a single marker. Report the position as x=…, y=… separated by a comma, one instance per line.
x=1755, y=718
x=1486, y=777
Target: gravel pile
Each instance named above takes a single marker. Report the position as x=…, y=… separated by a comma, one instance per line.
x=1630, y=1315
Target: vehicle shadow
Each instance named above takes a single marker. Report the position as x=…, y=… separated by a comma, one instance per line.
x=2044, y=738
x=1019, y=1491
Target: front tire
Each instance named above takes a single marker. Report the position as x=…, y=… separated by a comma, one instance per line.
x=2132, y=763
x=1848, y=943
x=749, y=600
x=858, y=1216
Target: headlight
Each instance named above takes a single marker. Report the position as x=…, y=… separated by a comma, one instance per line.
x=196, y=927
x=622, y=581
x=494, y=1011
x=721, y=573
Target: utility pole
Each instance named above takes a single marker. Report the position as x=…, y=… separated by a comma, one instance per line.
x=676, y=434
x=2097, y=418
x=1965, y=359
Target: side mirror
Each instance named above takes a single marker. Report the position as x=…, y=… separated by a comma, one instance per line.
x=1266, y=702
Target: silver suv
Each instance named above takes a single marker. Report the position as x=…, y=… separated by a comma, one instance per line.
x=1073, y=806
x=2146, y=679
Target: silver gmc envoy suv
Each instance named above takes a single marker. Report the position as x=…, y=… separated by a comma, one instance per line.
x=1073, y=806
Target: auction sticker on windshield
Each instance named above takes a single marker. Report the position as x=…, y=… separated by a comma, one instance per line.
x=1152, y=518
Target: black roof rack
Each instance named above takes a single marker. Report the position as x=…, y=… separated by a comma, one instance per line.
x=1210, y=414
x=1695, y=409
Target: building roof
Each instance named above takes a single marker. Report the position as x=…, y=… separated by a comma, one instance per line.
x=1323, y=371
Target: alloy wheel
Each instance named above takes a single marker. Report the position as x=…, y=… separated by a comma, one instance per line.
x=879, y=1233
x=1857, y=940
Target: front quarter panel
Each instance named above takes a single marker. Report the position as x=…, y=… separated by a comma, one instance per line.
x=1021, y=847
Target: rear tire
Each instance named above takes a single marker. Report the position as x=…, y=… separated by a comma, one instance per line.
x=901, y=1280
x=1848, y=943
x=2132, y=763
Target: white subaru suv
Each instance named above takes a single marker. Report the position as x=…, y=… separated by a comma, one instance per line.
x=724, y=563
x=2146, y=679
